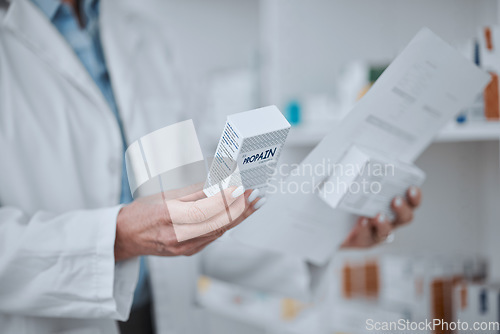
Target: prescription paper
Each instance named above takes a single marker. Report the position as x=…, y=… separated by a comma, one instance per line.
x=424, y=87
x=365, y=182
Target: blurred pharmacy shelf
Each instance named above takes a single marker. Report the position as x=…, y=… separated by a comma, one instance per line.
x=256, y=307
x=472, y=131
x=296, y=60
x=308, y=136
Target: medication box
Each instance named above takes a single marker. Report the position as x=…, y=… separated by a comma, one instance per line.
x=477, y=304
x=364, y=182
x=248, y=150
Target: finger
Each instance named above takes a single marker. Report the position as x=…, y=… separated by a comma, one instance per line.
x=254, y=202
x=235, y=210
x=382, y=227
x=361, y=235
x=203, y=241
x=191, y=246
x=414, y=196
x=247, y=213
x=361, y=224
x=195, y=196
x=197, y=193
x=251, y=195
x=217, y=233
x=403, y=211
x=193, y=191
x=189, y=212
x=250, y=209
x=212, y=224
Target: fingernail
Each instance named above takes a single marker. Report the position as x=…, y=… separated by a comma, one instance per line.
x=364, y=222
x=253, y=195
x=390, y=238
x=238, y=192
x=382, y=218
x=413, y=191
x=398, y=202
x=260, y=203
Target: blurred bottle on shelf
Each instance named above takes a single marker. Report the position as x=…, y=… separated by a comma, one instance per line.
x=293, y=113
x=392, y=287
x=489, y=42
x=318, y=111
x=361, y=280
x=477, y=304
x=487, y=56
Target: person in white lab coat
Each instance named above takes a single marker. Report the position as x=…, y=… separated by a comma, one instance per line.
x=68, y=250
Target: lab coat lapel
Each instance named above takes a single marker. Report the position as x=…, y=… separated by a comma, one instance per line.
x=33, y=29
x=120, y=43
x=141, y=71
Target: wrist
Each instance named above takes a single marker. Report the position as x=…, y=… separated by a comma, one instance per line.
x=136, y=230
x=121, y=251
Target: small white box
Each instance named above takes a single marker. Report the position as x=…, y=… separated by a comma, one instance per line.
x=477, y=304
x=364, y=182
x=248, y=150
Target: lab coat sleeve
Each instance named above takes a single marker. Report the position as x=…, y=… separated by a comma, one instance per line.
x=230, y=261
x=63, y=265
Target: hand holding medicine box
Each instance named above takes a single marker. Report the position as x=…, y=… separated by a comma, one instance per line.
x=364, y=182
x=248, y=150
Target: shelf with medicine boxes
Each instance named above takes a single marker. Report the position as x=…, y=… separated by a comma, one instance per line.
x=471, y=131
x=253, y=307
x=309, y=136
x=302, y=50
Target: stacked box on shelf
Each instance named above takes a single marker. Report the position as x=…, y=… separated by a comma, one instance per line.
x=477, y=308
x=487, y=105
x=418, y=290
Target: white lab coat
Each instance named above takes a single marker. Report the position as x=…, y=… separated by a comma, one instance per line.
x=60, y=179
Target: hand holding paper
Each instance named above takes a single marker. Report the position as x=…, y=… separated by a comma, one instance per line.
x=423, y=88
x=369, y=232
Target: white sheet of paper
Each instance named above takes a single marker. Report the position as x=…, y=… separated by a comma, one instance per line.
x=369, y=187
x=423, y=88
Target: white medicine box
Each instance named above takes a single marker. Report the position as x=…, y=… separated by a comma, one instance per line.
x=248, y=150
